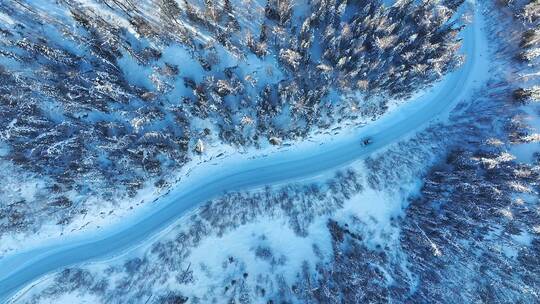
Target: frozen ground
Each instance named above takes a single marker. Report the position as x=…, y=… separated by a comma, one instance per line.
x=374, y=232
x=299, y=163
x=121, y=172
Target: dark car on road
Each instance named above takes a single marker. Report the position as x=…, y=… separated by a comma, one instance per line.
x=367, y=141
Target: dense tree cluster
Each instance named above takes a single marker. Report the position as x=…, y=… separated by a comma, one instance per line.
x=471, y=237
x=389, y=50
x=478, y=229
x=528, y=15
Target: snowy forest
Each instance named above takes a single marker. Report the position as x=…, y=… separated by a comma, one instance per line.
x=107, y=106
x=99, y=98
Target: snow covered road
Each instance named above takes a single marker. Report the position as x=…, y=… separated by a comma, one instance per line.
x=242, y=173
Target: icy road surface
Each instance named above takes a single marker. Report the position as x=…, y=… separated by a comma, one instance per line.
x=241, y=173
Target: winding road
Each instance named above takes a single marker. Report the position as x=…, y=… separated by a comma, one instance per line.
x=21, y=269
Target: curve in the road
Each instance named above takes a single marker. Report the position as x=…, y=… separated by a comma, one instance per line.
x=20, y=269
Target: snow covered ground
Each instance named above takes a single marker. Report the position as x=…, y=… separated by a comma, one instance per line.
x=93, y=212
x=374, y=232
x=418, y=114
